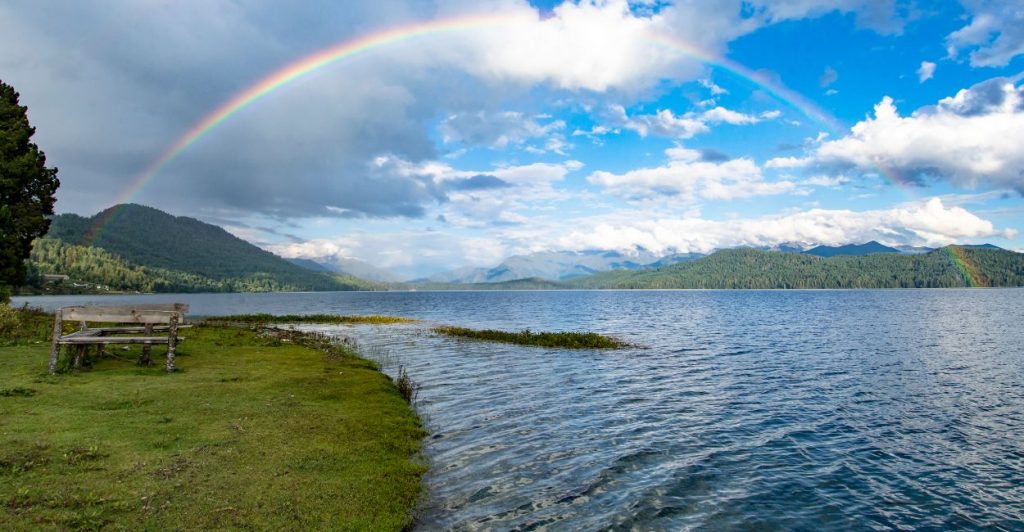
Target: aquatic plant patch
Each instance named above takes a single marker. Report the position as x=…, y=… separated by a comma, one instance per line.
x=568, y=340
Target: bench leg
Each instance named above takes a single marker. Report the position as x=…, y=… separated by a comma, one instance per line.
x=172, y=343
x=144, y=360
x=55, y=348
x=79, y=355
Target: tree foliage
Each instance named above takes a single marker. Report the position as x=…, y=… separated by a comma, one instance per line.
x=27, y=189
x=751, y=268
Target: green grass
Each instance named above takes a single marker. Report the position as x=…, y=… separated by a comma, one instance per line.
x=308, y=318
x=569, y=340
x=254, y=431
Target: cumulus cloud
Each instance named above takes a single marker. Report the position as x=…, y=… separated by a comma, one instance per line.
x=926, y=71
x=970, y=139
x=923, y=223
x=994, y=35
x=688, y=175
x=497, y=130
x=410, y=253
x=665, y=123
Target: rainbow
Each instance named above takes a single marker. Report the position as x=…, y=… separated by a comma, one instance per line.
x=968, y=270
x=360, y=45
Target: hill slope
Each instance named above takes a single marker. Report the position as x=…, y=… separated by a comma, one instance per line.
x=952, y=266
x=169, y=253
x=851, y=249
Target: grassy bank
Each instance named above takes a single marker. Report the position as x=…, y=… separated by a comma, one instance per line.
x=309, y=318
x=568, y=340
x=253, y=432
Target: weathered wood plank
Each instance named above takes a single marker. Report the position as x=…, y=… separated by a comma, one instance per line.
x=122, y=330
x=99, y=314
x=93, y=340
x=180, y=308
x=84, y=333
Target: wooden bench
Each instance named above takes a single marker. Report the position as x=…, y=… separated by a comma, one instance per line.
x=143, y=322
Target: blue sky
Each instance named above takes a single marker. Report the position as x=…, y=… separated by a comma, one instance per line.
x=558, y=126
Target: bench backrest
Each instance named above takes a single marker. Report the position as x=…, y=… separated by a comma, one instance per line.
x=152, y=314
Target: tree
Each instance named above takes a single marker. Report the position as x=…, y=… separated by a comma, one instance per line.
x=27, y=188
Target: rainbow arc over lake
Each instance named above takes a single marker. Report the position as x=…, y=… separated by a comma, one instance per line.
x=361, y=45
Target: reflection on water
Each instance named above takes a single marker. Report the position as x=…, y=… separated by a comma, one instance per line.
x=779, y=410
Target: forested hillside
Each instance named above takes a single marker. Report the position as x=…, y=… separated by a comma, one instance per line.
x=953, y=266
x=136, y=248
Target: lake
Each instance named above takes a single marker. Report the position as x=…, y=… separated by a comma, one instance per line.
x=738, y=409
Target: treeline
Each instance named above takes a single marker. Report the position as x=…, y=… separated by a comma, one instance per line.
x=756, y=269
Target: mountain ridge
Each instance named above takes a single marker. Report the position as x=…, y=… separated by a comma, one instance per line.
x=176, y=252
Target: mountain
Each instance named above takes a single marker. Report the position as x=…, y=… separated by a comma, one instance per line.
x=310, y=265
x=951, y=266
x=669, y=260
x=363, y=270
x=169, y=253
x=914, y=250
x=347, y=266
x=553, y=266
x=532, y=283
x=855, y=250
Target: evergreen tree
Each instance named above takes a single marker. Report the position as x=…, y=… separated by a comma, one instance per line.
x=27, y=188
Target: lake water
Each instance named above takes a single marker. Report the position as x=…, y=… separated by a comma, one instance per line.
x=740, y=409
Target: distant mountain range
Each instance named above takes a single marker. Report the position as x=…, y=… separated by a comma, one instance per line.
x=853, y=250
x=558, y=266
x=137, y=248
x=348, y=266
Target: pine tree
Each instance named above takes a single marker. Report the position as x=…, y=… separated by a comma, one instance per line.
x=27, y=189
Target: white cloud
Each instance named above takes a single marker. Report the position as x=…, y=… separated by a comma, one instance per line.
x=587, y=45
x=497, y=130
x=787, y=162
x=971, y=139
x=665, y=123
x=408, y=252
x=926, y=71
x=995, y=34
x=825, y=181
x=688, y=176
x=711, y=86
x=923, y=223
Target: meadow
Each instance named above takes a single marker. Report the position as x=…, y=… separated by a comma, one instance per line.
x=255, y=430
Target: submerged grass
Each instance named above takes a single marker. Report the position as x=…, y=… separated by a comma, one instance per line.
x=308, y=318
x=257, y=431
x=569, y=340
